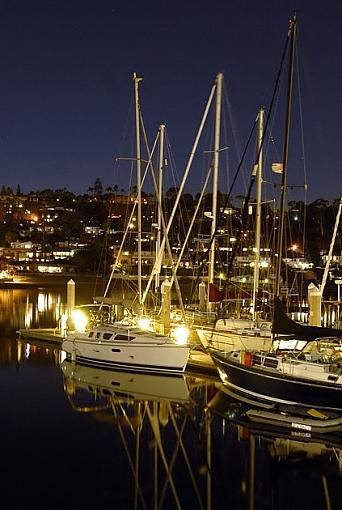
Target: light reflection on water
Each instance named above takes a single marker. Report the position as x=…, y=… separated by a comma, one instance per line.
x=37, y=307
x=21, y=308
x=120, y=440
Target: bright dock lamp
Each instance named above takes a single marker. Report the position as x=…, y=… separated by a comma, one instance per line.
x=181, y=335
x=144, y=323
x=80, y=320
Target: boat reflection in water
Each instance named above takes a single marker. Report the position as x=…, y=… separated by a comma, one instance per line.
x=294, y=465
x=186, y=443
x=152, y=417
x=130, y=385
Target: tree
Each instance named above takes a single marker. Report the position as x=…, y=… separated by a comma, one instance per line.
x=98, y=188
x=87, y=260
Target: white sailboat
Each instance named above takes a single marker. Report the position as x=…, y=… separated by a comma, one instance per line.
x=122, y=344
x=235, y=333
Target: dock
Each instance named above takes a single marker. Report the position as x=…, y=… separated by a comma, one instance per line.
x=199, y=362
x=47, y=335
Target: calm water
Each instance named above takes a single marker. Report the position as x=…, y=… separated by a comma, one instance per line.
x=76, y=437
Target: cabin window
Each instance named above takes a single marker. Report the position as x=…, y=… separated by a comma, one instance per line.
x=268, y=361
x=107, y=336
x=98, y=335
x=91, y=334
x=126, y=338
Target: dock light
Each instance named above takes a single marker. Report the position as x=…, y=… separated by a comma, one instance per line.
x=181, y=335
x=144, y=323
x=80, y=320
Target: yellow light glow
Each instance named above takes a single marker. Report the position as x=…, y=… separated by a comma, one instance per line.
x=144, y=323
x=181, y=335
x=63, y=324
x=41, y=302
x=80, y=320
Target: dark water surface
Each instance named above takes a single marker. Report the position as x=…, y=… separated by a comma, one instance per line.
x=77, y=437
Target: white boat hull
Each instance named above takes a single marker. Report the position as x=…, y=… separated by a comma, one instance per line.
x=230, y=341
x=158, y=356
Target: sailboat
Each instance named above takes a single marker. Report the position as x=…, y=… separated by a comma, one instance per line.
x=239, y=333
x=123, y=344
x=293, y=444
x=305, y=368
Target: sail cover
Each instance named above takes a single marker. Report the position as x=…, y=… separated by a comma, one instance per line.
x=283, y=325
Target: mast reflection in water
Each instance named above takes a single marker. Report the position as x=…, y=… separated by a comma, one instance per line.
x=82, y=437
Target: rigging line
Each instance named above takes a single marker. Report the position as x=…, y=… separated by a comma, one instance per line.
x=167, y=242
x=156, y=432
x=292, y=34
x=185, y=175
x=180, y=444
x=129, y=456
x=118, y=257
x=183, y=211
x=252, y=181
x=225, y=206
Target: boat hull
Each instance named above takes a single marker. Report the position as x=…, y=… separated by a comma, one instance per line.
x=166, y=357
x=231, y=341
x=274, y=387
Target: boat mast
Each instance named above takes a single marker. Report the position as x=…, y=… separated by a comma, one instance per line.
x=332, y=243
x=258, y=214
x=136, y=80
x=157, y=263
x=160, y=192
x=211, y=269
x=292, y=35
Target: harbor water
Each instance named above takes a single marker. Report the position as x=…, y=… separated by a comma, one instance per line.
x=76, y=437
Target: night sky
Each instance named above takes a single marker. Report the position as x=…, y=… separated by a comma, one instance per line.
x=66, y=84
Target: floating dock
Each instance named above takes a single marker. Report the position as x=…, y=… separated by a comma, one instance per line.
x=48, y=335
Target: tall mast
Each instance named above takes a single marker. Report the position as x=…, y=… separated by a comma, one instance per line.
x=332, y=243
x=211, y=271
x=180, y=191
x=160, y=194
x=258, y=213
x=292, y=35
x=136, y=80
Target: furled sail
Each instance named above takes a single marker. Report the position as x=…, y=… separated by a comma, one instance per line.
x=282, y=324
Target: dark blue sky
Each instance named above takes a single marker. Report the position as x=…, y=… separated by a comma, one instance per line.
x=66, y=82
